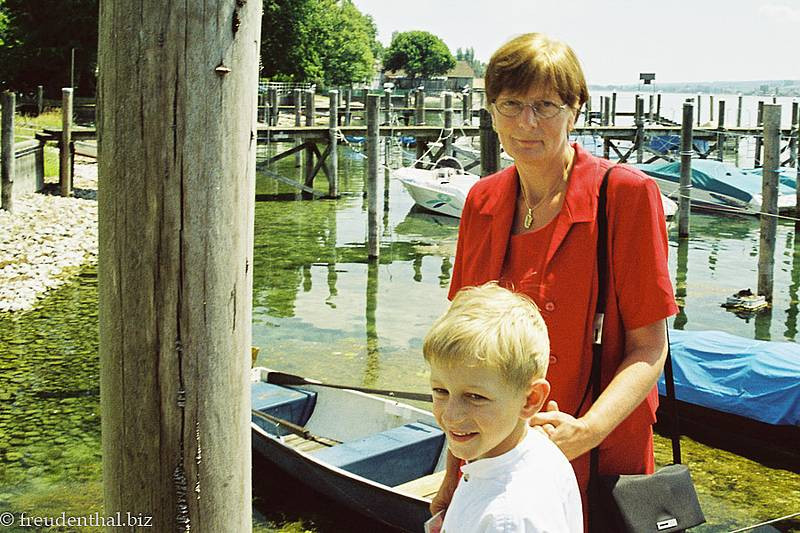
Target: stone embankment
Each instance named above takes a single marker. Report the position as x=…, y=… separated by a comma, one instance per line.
x=46, y=239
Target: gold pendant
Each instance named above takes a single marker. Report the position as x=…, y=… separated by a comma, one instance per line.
x=528, y=219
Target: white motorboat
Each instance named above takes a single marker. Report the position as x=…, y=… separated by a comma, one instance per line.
x=441, y=190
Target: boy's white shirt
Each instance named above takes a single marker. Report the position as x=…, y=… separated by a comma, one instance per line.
x=531, y=488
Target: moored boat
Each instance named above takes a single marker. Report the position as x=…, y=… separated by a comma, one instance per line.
x=738, y=394
x=379, y=457
x=441, y=190
x=717, y=185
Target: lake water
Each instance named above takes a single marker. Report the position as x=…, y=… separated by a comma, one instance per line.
x=321, y=309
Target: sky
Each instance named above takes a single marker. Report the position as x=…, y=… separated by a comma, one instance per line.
x=615, y=40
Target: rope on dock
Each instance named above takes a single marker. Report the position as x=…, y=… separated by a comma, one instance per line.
x=774, y=520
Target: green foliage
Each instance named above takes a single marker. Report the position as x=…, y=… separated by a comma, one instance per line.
x=36, y=39
x=419, y=53
x=468, y=55
x=317, y=40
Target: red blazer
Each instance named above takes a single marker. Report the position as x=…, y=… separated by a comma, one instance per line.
x=639, y=288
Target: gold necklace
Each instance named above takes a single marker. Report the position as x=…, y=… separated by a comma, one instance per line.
x=528, y=222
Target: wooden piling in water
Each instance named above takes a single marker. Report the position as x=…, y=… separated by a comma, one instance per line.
x=177, y=147
x=333, y=141
x=9, y=105
x=650, y=108
x=606, y=110
x=639, y=121
x=298, y=121
x=739, y=112
x=699, y=107
x=721, y=131
x=419, y=120
x=613, y=109
x=795, y=125
x=65, y=161
x=490, y=145
x=309, y=152
x=769, y=198
x=759, y=139
x=465, y=111
x=447, y=133
x=658, y=106
x=711, y=108
x=348, y=100
x=373, y=141
x=685, y=189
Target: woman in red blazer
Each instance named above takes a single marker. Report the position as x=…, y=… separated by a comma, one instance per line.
x=533, y=227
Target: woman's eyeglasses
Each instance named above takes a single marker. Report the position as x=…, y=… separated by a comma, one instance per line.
x=542, y=109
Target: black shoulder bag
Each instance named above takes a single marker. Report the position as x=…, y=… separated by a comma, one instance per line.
x=662, y=502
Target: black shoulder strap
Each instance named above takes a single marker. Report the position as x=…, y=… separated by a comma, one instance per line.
x=597, y=350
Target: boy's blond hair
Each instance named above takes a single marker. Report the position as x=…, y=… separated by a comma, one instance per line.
x=496, y=327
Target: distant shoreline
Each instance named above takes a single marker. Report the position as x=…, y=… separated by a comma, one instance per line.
x=758, y=88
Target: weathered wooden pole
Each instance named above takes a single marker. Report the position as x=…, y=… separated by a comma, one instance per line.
x=309, y=152
x=7, y=150
x=650, y=108
x=794, y=126
x=759, y=138
x=490, y=145
x=464, y=108
x=699, y=107
x=613, y=109
x=65, y=146
x=348, y=101
x=685, y=189
x=39, y=100
x=769, y=198
x=72, y=68
x=447, y=133
x=606, y=110
x=333, y=140
x=297, y=97
x=658, y=107
x=274, y=105
x=739, y=111
x=639, y=120
x=711, y=108
x=721, y=131
x=177, y=146
x=373, y=142
x=419, y=120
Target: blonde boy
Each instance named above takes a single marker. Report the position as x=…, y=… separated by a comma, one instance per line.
x=488, y=356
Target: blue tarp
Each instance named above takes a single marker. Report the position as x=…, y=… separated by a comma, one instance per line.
x=750, y=378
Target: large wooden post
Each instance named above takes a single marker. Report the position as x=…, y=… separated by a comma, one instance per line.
x=685, y=189
x=7, y=151
x=177, y=146
x=373, y=141
x=614, y=109
x=769, y=198
x=739, y=111
x=297, y=96
x=310, y=110
x=333, y=140
x=65, y=147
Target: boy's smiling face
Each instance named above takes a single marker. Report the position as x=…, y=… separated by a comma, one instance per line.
x=481, y=413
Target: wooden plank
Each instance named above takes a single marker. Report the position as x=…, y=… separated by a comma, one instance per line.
x=290, y=182
x=424, y=487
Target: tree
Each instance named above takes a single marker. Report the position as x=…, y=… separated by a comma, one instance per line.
x=317, y=40
x=36, y=39
x=418, y=53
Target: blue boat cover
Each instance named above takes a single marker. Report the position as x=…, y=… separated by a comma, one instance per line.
x=714, y=176
x=755, y=379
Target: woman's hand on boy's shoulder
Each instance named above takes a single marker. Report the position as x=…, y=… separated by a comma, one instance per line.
x=572, y=435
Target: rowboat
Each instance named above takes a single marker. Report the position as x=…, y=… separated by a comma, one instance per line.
x=379, y=457
x=739, y=394
x=717, y=185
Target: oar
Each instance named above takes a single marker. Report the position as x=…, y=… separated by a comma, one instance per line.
x=280, y=378
x=292, y=428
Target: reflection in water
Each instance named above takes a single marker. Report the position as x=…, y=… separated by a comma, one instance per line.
x=681, y=273
x=372, y=368
x=418, y=267
x=791, y=312
x=763, y=322
x=444, y=278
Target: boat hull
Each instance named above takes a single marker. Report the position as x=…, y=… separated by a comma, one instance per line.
x=442, y=191
x=373, y=500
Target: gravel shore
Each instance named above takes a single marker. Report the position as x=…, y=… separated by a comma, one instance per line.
x=47, y=239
